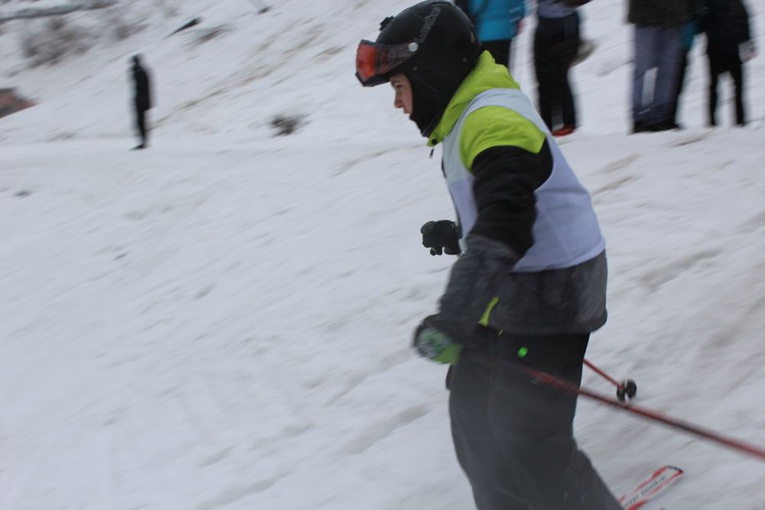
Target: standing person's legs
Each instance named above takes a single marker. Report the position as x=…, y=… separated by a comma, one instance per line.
x=737, y=74
x=645, y=40
x=715, y=69
x=670, y=49
x=144, y=128
x=570, y=49
x=500, y=50
x=679, y=85
x=555, y=50
x=544, y=66
x=140, y=122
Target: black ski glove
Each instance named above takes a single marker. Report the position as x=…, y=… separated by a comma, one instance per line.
x=441, y=236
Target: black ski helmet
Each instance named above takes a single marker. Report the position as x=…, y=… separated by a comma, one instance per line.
x=434, y=44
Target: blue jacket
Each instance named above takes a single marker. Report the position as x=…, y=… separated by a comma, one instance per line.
x=496, y=20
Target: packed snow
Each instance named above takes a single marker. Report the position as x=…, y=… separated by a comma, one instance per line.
x=223, y=321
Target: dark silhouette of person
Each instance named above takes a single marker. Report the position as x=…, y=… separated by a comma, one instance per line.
x=556, y=45
x=142, y=99
x=729, y=47
x=658, y=44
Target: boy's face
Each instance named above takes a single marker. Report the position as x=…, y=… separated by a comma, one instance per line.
x=403, y=90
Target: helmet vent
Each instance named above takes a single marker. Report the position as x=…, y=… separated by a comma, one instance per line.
x=430, y=19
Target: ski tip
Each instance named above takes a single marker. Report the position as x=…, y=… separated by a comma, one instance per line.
x=650, y=487
x=676, y=469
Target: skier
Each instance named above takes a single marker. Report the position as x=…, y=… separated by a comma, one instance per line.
x=141, y=100
x=530, y=284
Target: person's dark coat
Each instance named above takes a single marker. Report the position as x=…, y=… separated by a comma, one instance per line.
x=661, y=13
x=726, y=24
x=142, y=87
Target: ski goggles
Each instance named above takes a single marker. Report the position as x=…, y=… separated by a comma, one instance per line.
x=374, y=61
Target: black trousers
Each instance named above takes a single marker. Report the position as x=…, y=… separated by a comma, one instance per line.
x=500, y=50
x=513, y=436
x=140, y=124
x=719, y=64
x=556, y=42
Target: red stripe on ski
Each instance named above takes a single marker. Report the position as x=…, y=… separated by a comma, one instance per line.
x=651, y=487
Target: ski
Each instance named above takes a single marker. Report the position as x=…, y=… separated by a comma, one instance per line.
x=651, y=487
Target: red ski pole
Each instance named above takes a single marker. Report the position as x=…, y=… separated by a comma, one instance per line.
x=572, y=389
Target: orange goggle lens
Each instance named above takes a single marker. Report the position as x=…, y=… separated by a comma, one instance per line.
x=374, y=61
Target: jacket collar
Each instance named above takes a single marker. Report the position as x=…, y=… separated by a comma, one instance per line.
x=486, y=75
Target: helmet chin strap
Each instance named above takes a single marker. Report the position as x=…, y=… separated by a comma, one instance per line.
x=428, y=104
x=426, y=110
x=425, y=131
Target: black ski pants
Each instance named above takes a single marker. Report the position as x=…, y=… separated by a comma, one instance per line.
x=140, y=124
x=719, y=64
x=513, y=436
x=556, y=42
x=500, y=50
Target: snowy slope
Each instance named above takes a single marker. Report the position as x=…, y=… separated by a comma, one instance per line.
x=223, y=321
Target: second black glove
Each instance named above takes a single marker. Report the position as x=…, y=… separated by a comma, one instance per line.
x=441, y=236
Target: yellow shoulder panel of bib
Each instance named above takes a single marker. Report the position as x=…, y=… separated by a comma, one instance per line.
x=497, y=126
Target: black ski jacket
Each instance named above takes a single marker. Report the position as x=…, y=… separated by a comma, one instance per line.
x=726, y=24
x=661, y=13
x=142, y=88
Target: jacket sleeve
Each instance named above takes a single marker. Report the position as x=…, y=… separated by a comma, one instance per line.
x=505, y=181
x=473, y=283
